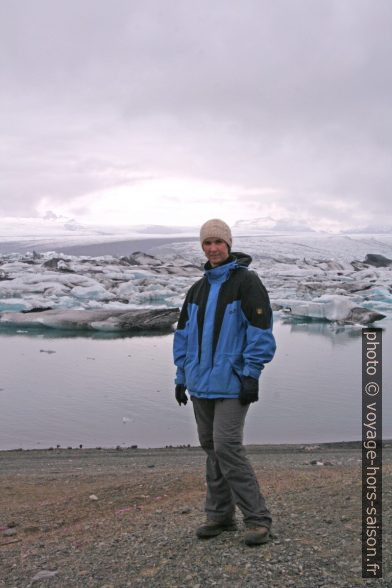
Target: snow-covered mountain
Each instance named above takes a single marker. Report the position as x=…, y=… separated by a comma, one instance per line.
x=370, y=230
x=267, y=224
x=52, y=231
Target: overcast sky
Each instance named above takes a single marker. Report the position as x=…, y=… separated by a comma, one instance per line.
x=175, y=111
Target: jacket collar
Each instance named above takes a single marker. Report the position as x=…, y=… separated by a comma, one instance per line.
x=240, y=260
x=220, y=272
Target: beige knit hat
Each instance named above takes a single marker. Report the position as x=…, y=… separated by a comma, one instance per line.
x=216, y=229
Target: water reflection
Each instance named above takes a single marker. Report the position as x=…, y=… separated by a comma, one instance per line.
x=46, y=333
x=328, y=329
x=106, y=389
x=296, y=325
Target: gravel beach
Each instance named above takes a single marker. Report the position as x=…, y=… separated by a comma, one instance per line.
x=119, y=518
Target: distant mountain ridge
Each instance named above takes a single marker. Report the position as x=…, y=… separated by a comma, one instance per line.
x=371, y=230
x=271, y=225
x=59, y=227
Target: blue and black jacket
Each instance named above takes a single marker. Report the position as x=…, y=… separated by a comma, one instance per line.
x=224, y=331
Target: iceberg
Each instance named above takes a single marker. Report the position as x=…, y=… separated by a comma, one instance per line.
x=95, y=292
x=313, y=276
x=135, y=320
x=377, y=260
x=48, y=280
x=331, y=307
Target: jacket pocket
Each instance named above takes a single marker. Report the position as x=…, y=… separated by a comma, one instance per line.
x=223, y=377
x=191, y=369
x=236, y=374
x=237, y=365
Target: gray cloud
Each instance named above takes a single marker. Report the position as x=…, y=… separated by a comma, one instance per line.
x=288, y=96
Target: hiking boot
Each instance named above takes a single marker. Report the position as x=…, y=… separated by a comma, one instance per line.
x=214, y=528
x=256, y=535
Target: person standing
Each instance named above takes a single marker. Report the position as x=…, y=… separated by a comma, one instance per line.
x=222, y=342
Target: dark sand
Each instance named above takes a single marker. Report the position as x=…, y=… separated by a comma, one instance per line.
x=140, y=530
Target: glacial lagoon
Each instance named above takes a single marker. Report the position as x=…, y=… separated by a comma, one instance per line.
x=68, y=389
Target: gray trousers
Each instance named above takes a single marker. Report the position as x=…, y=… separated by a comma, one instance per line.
x=230, y=477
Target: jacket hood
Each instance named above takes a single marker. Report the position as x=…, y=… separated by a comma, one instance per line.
x=241, y=258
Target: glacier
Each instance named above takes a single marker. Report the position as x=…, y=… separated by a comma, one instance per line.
x=133, y=321
x=334, y=278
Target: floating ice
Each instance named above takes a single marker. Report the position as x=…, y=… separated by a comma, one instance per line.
x=95, y=292
x=13, y=305
x=321, y=277
x=158, y=319
x=331, y=307
x=377, y=260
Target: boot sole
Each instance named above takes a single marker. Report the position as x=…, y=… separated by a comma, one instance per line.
x=261, y=541
x=207, y=534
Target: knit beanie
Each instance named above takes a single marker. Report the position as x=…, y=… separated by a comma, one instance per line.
x=216, y=229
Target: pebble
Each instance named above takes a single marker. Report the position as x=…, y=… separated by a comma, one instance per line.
x=161, y=550
x=356, y=569
x=9, y=532
x=93, y=497
x=310, y=447
x=31, y=529
x=42, y=576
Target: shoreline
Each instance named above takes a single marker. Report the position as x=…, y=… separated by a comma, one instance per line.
x=279, y=447
x=134, y=450
x=253, y=447
x=122, y=518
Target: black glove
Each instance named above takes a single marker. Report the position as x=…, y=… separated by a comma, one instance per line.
x=181, y=397
x=249, y=390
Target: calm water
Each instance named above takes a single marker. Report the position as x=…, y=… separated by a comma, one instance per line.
x=101, y=391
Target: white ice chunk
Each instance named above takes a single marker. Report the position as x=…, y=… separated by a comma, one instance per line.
x=332, y=307
x=379, y=294
x=95, y=292
x=14, y=305
x=297, y=270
